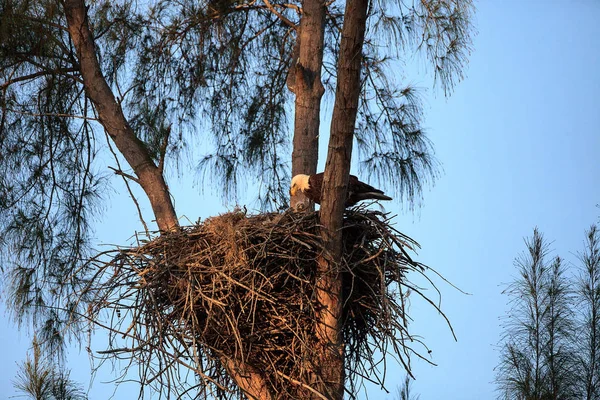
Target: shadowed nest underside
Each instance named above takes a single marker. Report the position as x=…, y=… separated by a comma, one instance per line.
x=242, y=288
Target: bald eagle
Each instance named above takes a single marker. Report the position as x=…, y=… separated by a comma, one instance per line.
x=311, y=186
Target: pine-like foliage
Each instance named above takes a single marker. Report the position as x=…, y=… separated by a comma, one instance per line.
x=536, y=359
x=392, y=144
x=217, y=70
x=405, y=391
x=48, y=182
x=588, y=337
x=39, y=379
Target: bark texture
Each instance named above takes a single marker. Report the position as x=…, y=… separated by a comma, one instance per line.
x=335, y=187
x=305, y=82
x=248, y=379
x=113, y=120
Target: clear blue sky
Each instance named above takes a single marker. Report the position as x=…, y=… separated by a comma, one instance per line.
x=519, y=141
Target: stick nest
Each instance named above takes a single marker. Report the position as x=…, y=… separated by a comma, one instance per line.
x=240, y=289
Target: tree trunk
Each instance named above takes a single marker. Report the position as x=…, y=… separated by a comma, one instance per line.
x=113, y=120
x=248, y=379
x=304, y=81
x=335, y=185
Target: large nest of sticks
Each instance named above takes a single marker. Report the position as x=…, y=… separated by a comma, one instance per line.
x=240, y=290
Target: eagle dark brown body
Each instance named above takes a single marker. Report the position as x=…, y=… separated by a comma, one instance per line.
x=312, y=186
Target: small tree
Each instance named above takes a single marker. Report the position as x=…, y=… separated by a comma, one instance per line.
x=405, y=391
x=558, y=324
x=40, y=379
x=535, y=359
x=588, y=300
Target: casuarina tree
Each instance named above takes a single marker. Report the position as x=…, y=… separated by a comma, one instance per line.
x=537, y=353
x=145, y=83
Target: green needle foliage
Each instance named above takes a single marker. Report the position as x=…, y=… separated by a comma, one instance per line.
x=588, y=338
x=549, y=347
x=49, y=184
x=536, y=361
x=405, y=391
x=39, y=379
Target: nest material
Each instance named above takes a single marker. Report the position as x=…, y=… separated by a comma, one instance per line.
x=242, y=288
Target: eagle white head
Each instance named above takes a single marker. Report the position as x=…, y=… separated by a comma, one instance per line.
x=299, y=182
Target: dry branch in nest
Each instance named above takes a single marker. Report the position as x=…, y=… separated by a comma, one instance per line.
x=242, y=288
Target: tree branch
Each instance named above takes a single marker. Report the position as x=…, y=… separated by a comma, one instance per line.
x=54, y=115
x=278, y=14
x=113, y=120
x=38, y=74
x=123, y=174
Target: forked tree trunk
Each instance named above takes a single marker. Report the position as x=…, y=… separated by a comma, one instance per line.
x=335, y=186
x=308, y=89
x=113, y=120
x=305, y=82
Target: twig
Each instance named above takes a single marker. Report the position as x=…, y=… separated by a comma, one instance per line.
x=278, y=14
x=123, y=174
x=120, y=172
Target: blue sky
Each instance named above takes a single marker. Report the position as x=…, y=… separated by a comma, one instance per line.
x=519, y=141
